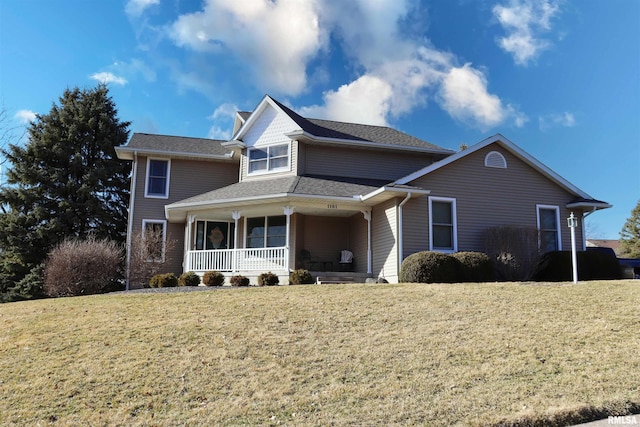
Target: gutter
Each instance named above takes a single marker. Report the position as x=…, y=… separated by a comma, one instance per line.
x=124, y=150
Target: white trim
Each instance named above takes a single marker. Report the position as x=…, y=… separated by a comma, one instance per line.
x=495, y=159
x=558, y=232
x=268, y=148
x=392, y=189
x=454, y=219
x=164, y=234
x=262, y=105
x=146, y=179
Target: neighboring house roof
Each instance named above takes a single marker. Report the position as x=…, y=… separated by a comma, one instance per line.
x=582, y=200
x=174, y=146
x=604, y=243
x=329, y=131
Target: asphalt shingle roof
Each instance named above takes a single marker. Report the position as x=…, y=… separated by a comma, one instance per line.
x=176, y=144
x=356, y=131
x=292, y=185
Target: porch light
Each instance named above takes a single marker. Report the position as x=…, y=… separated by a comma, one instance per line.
x=572, y=223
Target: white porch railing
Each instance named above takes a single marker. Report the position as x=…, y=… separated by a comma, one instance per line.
x=231, y=260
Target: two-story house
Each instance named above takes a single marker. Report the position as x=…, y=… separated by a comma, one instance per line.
x=288, y=192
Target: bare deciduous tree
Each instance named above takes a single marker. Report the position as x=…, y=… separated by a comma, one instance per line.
x=514, y=251
x=148, y=253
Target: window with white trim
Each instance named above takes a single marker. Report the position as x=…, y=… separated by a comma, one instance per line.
x=273, y=158
x=443, y=233
x=154, y=236
x=157, y=182
x=214, y=235
x=549, y=228
x=266, y=232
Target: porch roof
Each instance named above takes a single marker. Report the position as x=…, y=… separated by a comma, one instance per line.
x=353, y=191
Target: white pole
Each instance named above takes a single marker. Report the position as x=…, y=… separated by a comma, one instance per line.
x=234, y=257
x=574, y=260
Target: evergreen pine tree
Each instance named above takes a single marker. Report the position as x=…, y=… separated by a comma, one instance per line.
x=65, y=182
x=630, y=235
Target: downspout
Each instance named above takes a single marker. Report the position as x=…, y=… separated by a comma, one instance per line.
x=400, y=232
x=132, y=197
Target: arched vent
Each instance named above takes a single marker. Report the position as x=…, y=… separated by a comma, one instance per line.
x=495, y=160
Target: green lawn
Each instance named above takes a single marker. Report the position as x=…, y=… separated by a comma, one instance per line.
x=473, y=354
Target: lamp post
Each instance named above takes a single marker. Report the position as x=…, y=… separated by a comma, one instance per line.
x=572, y=222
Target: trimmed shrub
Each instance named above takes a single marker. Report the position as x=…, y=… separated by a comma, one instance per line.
x=189, y=278
x=168, y=280
x=430, y=267
x=301, y=277
x=83, y=267
x=556, y=266
x=268, y=279
x=213, y=278
x=475, y=267
x=239, y=281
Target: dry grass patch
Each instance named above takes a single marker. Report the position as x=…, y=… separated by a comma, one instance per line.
x=319, y=355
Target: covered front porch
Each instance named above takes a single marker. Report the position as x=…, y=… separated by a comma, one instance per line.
x=279, y=239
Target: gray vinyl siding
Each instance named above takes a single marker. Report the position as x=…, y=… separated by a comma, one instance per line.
x=385, y=240
x=361, y=163
x=358, y=241
x=187, y=178
x=415, y=224
x=485, y=197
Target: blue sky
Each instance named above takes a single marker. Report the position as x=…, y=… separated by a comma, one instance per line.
x=560, y=78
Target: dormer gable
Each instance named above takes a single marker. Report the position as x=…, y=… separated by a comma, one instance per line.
x=262, y=136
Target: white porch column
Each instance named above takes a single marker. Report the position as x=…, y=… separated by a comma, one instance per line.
x=288, y=211
x=234, y=258
x=367, y=216
x=187, y=244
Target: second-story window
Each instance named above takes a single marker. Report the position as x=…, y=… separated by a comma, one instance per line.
x=157, y=178
x=269, y=159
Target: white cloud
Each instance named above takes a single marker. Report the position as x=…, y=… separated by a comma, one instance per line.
x=465, y=97
x=25, y=116
x=365, y=100
x=135, y=8
x=524, y=21
x=107, y=77
x=133, y=68
x=394, y=70
x=402, y=74
x=222, y=118
x=274, y=39
x=564, y=119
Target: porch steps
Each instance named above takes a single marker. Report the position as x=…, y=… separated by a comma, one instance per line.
x=332, y=279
